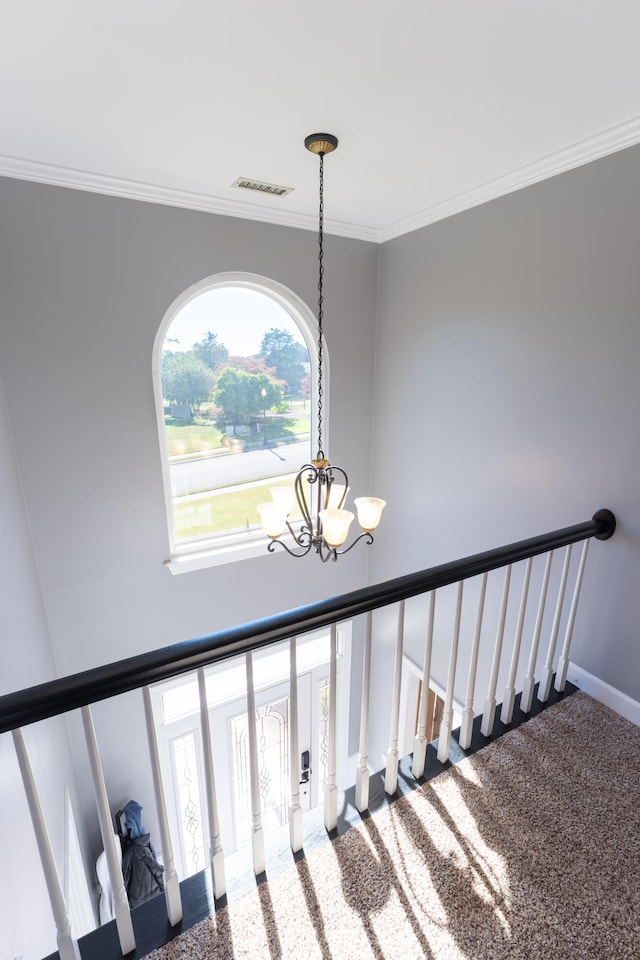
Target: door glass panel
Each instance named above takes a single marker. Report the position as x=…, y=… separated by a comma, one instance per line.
x=323, y=734
x=185, y=778
x=272, y=728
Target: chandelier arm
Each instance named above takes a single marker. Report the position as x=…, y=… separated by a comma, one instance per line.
x=325, y=552
x=310, y=471
x=363, y=536
x=304, y=537
x=333, y=474
x=271, y=547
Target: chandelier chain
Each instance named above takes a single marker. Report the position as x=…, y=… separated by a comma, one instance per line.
x=320, y=302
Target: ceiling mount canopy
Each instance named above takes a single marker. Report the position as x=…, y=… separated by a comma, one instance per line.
x=321, y=143
x=320, y=489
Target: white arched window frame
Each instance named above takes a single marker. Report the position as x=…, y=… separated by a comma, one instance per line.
x=226, y=548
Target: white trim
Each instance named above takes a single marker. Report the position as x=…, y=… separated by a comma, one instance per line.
x=214, y=556
x=604, y=693
x=615, y=138
x=76, y=889
x=70, y=178
x=208, y=552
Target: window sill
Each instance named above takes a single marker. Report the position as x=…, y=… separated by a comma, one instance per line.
x=214, y=555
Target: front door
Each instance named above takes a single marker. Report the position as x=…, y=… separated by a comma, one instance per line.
x=180, y=743
x=231, y=748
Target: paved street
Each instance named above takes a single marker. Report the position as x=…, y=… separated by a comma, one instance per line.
x=196, y=476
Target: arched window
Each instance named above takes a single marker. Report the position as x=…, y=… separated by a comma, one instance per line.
x=234, y=363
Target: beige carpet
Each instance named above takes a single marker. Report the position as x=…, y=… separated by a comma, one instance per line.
x=528, y=849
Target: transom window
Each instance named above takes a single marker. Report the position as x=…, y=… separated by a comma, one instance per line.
x=233, y=372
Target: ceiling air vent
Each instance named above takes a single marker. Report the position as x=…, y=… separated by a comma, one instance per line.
x=271, y=188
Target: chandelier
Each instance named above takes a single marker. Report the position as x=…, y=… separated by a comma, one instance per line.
x=320, y=489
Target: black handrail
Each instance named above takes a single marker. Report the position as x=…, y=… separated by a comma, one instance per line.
x=59, y=696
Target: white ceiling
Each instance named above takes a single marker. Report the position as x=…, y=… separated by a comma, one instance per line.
x=438, y=105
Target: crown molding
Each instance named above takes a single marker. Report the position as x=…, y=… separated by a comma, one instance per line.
x=54, y=175
x=609, y=141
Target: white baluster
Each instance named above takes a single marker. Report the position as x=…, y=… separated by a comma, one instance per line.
x=506, y=714
x=67, y=946
x=466, y=725
x=171, y=883
x=295, y=810
x=216, y=853
x=489, y=713
x=331, y=789
x=528, y=684
x=563, y=662
x=259, y=861
x=393, y=756
x=362, y=772
x=420, y=739
x=121, y=904
x=444, y=737
x=547, y=672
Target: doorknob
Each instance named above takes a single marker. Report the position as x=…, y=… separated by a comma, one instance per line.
x=305, y=769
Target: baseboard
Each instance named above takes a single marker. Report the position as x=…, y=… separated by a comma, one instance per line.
x=604, y=693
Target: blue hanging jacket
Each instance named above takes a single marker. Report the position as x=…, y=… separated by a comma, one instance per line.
x=133, y=819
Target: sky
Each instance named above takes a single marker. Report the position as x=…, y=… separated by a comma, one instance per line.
x=239, y=316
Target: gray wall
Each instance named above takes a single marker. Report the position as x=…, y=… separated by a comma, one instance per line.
x=507, y=393
x=85, y=282
x=26, y=657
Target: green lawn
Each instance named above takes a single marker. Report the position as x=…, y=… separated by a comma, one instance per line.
x=236, y=509
x=193, y=438
x=222, y=513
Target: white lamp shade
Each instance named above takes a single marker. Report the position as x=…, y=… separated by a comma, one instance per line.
x=335, y=526
x=369, y=511
x=337, y=495
x=273, y=517
x=283, y=496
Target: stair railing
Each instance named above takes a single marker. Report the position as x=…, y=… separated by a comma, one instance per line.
x=83, y=689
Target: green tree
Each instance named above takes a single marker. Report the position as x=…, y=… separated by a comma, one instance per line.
x=250, y=365
x=239, y=394
x=280, y=351
x=186, y=380
x=210, y=350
